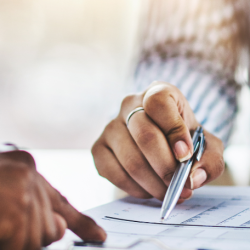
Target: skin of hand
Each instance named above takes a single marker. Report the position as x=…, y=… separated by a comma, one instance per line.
x=32, y=212
x=141, y=158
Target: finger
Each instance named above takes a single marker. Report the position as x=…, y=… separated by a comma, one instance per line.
x=133, y=161
x=61, y=226
x=13, y=235
x=34, y=239
x=155, y=148
x=53, y=225
x=109, y=167
x=180, y=201
x=81, y=225
x=167, y=107
x=211, y=164
x=14, y=207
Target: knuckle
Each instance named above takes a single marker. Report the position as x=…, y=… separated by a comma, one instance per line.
x=220, y=144
x=94, y=149
x=24, y=200
x=145, y=135
x=11, y=223
x=220, y=165
x=176, y=127
x=213, y=140
x=132, y=167
x=97, y=151
x=111, y=127
x=25, y=175
x=135, y=166
x=17, y=185
x=19, y=176
x=25, y=172
x=99, y=164
x=128, y=104
x=127, y=101
x=215, y=165
x=109, y=131
x=102, y=140
x=101, y=171
x=157, y=98
x=18, y=168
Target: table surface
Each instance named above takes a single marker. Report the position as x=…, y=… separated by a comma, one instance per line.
x=73, y=173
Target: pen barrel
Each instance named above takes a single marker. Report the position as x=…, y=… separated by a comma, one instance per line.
x=181, y=173
x=175, y=188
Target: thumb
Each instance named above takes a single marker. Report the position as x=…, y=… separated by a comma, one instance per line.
x=167, y=107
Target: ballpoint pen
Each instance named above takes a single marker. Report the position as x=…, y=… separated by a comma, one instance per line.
x=181, y=173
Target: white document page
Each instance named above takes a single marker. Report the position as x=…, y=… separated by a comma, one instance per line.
x=215, y=218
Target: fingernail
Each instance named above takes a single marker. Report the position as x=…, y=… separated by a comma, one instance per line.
x=181, y=151
x=198, y=178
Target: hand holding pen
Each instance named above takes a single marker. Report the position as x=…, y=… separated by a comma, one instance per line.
x=140, y=149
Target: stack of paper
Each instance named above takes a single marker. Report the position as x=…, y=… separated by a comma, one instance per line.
x=215, y=218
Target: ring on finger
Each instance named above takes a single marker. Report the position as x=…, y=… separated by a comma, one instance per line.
x=133, y=112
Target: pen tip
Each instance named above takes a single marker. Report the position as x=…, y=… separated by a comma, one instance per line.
x=162, y=219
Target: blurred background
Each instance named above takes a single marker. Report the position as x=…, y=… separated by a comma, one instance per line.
x=65, y=66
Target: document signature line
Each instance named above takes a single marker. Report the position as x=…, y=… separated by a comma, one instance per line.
x=174, y=224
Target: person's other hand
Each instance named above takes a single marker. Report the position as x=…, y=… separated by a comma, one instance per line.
x=142, y=158
x=32, y=212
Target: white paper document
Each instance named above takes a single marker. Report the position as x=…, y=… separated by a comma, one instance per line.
x=215, y=218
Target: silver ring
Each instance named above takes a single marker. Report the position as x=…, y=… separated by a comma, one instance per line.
x=132, y=112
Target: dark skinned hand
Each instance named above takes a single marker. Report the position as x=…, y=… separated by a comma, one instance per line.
x=32, y=212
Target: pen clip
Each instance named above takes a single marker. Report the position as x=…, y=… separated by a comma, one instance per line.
x=196, y=146
x=201, y=148
x=199, y=143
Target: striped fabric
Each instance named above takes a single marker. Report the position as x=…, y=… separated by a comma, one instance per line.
x=196, y=46
x=211, y=99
